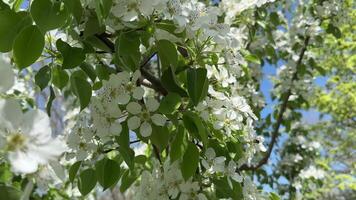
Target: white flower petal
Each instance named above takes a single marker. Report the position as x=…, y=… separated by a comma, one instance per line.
x=138, y=93
x=7, y=77
x=123, y=98
x=159, y=119
x=136, y=75
x=115, y=128
x=210, y=153
x=36, y=123
x=21, y=162
x=145, y=129
x=123, y=77
x=236, y=177
x=10, y=113
x=133, y=123
x=152, y=104
x=133, y=108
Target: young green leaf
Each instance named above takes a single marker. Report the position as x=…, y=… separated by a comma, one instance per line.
x=167, y=53
x=9, y=193
x=129, y=156
x=102, y=8
x=170, y=103
x=170, y=83
x=43, y=77
x=28, y=46
x=73, y=170
x=52, y=96
x=11, y=24
x=195, y=126
x=128, y=50
x=59, y=77
x=197, y=84
x=177, y=146
x=273, y=196
x=128, y=178
x=48, y=14
x=89, y=70
x=75, y=7
x=107, y=172
x=190, y=161
x=160, y=137
x=82, y=89
x=87, y=181
x=72, y=56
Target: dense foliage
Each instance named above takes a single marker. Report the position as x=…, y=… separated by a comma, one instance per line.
x=166, y=99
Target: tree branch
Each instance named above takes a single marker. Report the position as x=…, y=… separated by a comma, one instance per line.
x=156, y=83
x=284, y=105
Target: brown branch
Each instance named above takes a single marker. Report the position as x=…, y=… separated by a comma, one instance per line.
x=156, y=83
x=284, y=105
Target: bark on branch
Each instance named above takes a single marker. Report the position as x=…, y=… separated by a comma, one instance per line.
x=284, y=105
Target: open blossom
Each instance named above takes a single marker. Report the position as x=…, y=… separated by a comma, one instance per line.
x=142, y=117
x=231, y=173
x=213, y=164
x=28, y=137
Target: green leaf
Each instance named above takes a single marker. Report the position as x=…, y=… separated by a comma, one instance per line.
x=170, y=103
x=73, y=170
x=76, y=8
x=5, y=173
x=129, y=156
x=167, y=54
x=223, y=189
x=273, y=196
x=334, y=30
x=87, y=181
x=48, y=14
x=72, y=56
x=128, y=50
x=59, y=77
x=190, y=161
x=178, y=147
x=124, y=138
x=107, y=172
x=127, y=180
x=11, y=24
x=160, y=137
x=17, y=4
x=52, y=96
x=9, y=193
x=28, y=46
x=82, y=89
x=195, y=126
x=89, y=70
x=103, y=71
x=198, y=84
x=4, y=6
x=170, y=83
x=43, y=77
x=102, y=8
x=97, y=43
x=93, y=27
x=253, y=59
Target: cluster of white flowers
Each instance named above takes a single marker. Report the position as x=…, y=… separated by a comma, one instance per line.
x=217, y=165
x=121, y=99
x=26, y=137
x=312, y=172
x=233, y=7
x=167, y=182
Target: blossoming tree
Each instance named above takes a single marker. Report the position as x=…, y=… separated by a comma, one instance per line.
x=156, y=99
